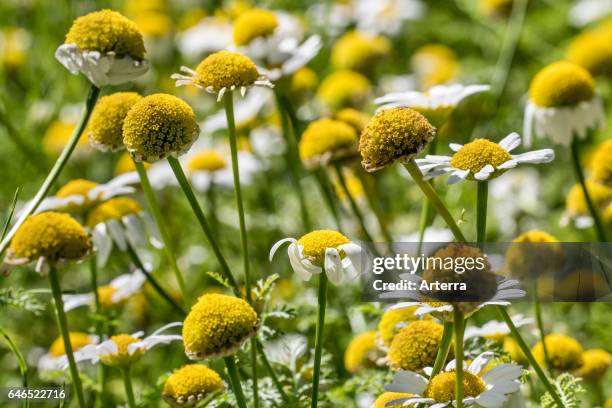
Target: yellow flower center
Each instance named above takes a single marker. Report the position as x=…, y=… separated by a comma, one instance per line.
x=561, y=84
x=107, y=31
x=360, y=352
x=113, y=209
x=208, y=160
x=536, y=236
x=357, y=51
x=252, y=24
x=415, y=346
x=513, y=350
x=600, y=195
x=435, y=64
x=601, y=164
x=393, y=134
x=122, y=358
x=442, y=387
x=57, y=135
x=226, y=70
x=564, y=352
x=106, y=124
x=192, y=380
x=477, y=154
x=157, y=126
x=326, y=136
x=304, y=80
x=105, y=295
x=386, y=397
x=358, y=120
x=595, y=364
x=390, y=320
x=593, y=51
x=54, y=236
x=316, y=242
x=78, y=340
x=77, y=187
x=344, y=88
x=217, y=325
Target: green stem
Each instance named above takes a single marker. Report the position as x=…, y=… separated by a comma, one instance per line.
x=57, y=168
x=271, y=373
x=525, y=349
x=375, y=206
x=21, y=362
x=197, y=210
x=326, y=190
x=161, y=226
x=426, y=218
x=537, y=309
x=235, y=381
x=481, y=211
x=459, y=329
x=599, y=228
x=151, y=279
x=352, y=202
x=211, y=196
x=434, y=199
x=322, y=301
x=445, y=346
x=63, y=328
x=127, y=383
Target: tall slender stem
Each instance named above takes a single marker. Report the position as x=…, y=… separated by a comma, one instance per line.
x=426, y=218
x=352, y=202
x=197, y=210
x=459, y=329
x=235, y=381
x=151, y=279
x=481, y=211
x=129, y=390
x=443, y=350
x=161, y=226
x=435, y=200
x=599, y=228
x=537, y=310
x=57, y=168
x=21, y=362
x=525, y=349
x=322, y=300
x=63, y=328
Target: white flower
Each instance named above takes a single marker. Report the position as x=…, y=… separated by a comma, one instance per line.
x=50, y=362
x=122, y=288
x=587, y=11
x=386, y=16
x=100, y=69
x=494, y=328
x=209, y=35
x=490, y=389
x=436, y=97
x=481, y=159
x=296, y=56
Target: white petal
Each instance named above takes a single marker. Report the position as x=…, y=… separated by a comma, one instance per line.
x=408, y=382
x=355, y=254
x=115, y=229
x=457, y=176
x=536, y=156
x=277, y=245
x=480, y=362
x=303, y=269
x=455, y=147
x=333, y=265
x=74, y=301
x=511, y=142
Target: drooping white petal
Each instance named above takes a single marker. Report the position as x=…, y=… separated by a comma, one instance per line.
x=457, y=176
x=277, y=245
x=103, y=244
x=510, y=142
x=484, y=173
x=480, y=362
x=74, y=301
x=333, y=265
x=408, y=382
x=297, y=263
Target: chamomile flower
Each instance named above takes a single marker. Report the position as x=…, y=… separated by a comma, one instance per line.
x=49, y=237
x=106, y=47
x=396, y=133
x=576, y=207
x=359, y=51
x=592, y=51
x=14, y=45
x=495, y=330
x=105, y=128
x=436, y=104
x=217, y=325
x=487, y=389
x=392, y=321
x=212, y=167
x=123, y=350
x=357, y=119
x=325, y=141
x=344, y=89
x=415, y=346
x=434, y=64
x=481, y=160
x=223, y=72
x=564, y=352
x=562, y=104
x=323, y=251
x=600, y=166
x=190, y=384
x=120, y=221
x=52, y=362
x=361, y=352
x=216, y=29
x=110, y=296
x=595, y=364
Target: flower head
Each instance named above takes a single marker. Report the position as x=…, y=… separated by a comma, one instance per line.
x=105, y=127
x=595, y=364
x=601, y=164
x=415, y=346
x=481, y=159
x=397, y=133
x=325, y=140
x=304, y=81
x=435, y=64
x=564, y=352
x=361, y=352
x=113, y=209
x=495, y=330
x=592, y=51
x=342, y=89
x=394, y=320
x=191, y=383
x=576, y=207
x=561, y=84
x=52, y=360
x=358, y=51
x=217, y=325
x=207, y=160
x=106, y=47
x=157, y=126
x=252, y=24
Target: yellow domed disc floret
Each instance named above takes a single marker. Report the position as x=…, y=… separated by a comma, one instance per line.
x=442, y=387
x=325, y=140
x=316, y=242
x=477, y=154
x=386, y=397
x=593, y=51
x=51, y=235
x=208, y=160
x=105, y=127
x=358, y=51
x=77, y=340
x=157, y=126
x=601, y=164
x=252, y=24
x=226, y=70
x=415, y=346
x=513, y=350
x=595, y=364
x=303, y=81
x=107, y=31
x=217, y=325
x=113, y=209
x=576, y=204
x=393, y=320
x=189, y=384
x=122, y=358
x=342, y=89
x=561, y=84
x=78, y=187
x=435, y=64
x=397, y=133
x=361, y=352
x=564, y=352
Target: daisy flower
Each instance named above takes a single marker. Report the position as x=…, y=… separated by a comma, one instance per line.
x=576, y=208
x=391, y=322
x=359, y=51
x=436, y=104
x=57, y=136
x=52, y=361
x=562, y=104
x=600, y=166
x=218, y=33
x=123, y=350
x=495, y=330
x=592, y=51
x=564, y=352
x=105, y=127
x=190, y=384
x=110, y=296
x=415, y=346
x=324, y=251
x=110, y=59
x=595, y=364
x=325, y=141
x=481, y=159
x=344, y=89
x=223, y=72
x=487, y=389
x=361, y=353
x=209, y=167
x=434, y=64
